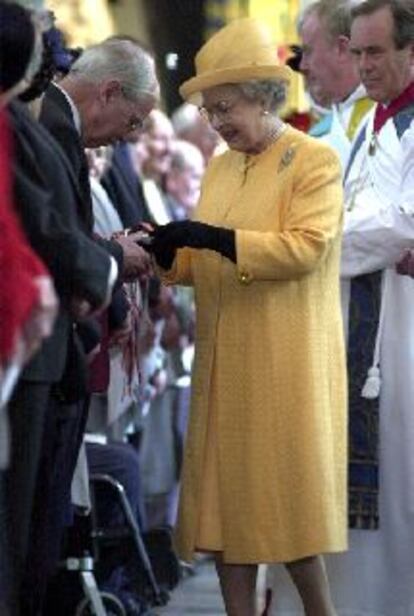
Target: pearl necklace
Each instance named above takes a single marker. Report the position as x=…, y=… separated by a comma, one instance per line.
x=273, y=135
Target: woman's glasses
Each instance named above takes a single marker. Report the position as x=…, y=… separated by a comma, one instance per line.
x=221, y=111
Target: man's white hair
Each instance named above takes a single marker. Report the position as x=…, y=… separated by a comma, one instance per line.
x=119, y=59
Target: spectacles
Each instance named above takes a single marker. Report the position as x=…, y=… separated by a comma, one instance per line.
x=134, y=122
x=221, y=111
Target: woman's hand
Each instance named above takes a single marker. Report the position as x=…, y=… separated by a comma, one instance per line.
x=185, y=233
x=162, y=246
x=191, y=234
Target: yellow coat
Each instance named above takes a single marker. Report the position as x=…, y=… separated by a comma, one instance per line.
x=269, y=364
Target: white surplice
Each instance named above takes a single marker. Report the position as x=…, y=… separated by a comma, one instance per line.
x=376, y=576
x=342, y=113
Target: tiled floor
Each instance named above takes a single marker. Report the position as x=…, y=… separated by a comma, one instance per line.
x=197, y=594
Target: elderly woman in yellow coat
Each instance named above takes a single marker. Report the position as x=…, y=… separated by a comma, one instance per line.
x=264, y=477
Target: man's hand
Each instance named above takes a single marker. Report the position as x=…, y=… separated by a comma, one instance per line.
x=137, y=262
x=80, y=308
x=405, y=266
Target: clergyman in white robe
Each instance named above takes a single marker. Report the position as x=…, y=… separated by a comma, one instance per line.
x=376, y=576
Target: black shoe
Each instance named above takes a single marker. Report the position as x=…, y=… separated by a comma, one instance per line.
x=164, y=560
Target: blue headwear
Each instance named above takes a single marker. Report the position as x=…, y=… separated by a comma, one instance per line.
x=62, y=56
x=56, y=58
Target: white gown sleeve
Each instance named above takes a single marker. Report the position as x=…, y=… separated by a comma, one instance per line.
x=377, y=232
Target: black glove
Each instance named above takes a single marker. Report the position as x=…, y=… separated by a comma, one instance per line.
x=191, y=234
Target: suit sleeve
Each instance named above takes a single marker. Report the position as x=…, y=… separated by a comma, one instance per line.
x=69, y=140
x=115, y=250
x=79, y=267
x=377, y=232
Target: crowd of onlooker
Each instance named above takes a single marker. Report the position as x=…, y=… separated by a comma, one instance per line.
x=95, y=355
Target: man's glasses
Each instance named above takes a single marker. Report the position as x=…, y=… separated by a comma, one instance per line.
x=134, y=122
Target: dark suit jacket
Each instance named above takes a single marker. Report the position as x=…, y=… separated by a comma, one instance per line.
x=48, y=203
x=124, y=188
x=56, y=116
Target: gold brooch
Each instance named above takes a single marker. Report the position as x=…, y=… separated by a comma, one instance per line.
x=286, y=159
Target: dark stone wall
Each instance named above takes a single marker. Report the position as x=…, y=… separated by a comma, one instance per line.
x=176, y=27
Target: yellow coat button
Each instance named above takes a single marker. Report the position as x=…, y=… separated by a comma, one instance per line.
x=245, y=277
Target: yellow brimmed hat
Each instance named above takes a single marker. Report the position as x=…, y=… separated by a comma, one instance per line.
x=242, y=51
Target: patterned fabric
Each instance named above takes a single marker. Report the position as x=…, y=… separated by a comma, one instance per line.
x=363, y=413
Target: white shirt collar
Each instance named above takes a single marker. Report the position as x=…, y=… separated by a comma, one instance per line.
x=343, y=111
x=355, y=96
x=74, y=109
